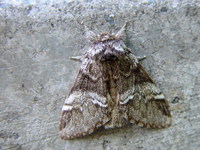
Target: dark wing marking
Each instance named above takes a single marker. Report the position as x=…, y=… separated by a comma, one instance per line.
x=91, y=77
x=152, y=114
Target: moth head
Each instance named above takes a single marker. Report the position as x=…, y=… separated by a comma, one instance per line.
x=92, y=37
x=105, y=46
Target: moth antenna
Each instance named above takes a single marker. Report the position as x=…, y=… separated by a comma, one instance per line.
x=121, y=32
x=90, y=35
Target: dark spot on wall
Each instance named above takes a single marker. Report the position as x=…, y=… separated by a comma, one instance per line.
x=164, y=9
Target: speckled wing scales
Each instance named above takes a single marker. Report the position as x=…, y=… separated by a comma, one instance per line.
x=85, y=107
x=143, y=100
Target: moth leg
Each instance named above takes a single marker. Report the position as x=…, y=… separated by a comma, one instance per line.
x=140, y=58
x=76, y=58
x=135, y=58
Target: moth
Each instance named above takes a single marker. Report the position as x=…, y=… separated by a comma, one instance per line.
x=111, y=90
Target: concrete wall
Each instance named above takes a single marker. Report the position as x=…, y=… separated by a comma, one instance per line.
x=36, y=74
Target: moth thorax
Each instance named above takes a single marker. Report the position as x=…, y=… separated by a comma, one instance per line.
x=105, y=37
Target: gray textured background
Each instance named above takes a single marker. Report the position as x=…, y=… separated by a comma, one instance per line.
x=36, y=74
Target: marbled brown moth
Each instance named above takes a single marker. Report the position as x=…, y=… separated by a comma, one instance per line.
x=111, y=90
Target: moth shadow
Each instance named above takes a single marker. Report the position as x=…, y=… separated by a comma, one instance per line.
x=118, y=132
x=101, y=132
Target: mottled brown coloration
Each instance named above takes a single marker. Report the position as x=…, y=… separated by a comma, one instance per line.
x=111, y=90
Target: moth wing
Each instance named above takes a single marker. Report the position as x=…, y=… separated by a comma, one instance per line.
x=145, y=104
x=85, y=108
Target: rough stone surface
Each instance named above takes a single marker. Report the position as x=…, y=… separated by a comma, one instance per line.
x=36, y=74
